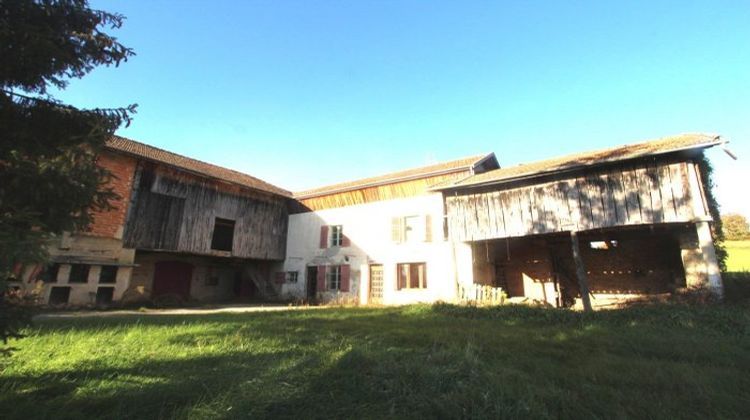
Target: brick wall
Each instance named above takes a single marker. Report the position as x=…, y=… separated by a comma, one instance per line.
x=111, y=223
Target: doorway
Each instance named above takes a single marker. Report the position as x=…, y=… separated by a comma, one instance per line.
x=376, y=284
x=172, y=278
x=311, y=277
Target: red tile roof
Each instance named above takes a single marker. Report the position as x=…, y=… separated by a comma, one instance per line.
x=458, y=165
x=135, y=148
x=579, y=160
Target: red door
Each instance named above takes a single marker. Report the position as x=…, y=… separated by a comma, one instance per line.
x=172, y=278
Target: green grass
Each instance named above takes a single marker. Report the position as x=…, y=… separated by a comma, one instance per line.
x=739, y=255
x=443, y=361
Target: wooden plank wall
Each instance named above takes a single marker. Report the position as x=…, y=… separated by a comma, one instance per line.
x=625, y=195
x=177, y=214
x=379, y=193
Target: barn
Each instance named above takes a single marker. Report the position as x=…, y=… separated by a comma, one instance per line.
x=591, y=228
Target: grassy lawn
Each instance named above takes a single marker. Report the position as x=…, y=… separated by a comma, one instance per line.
x=418, y=361
x=739, y=255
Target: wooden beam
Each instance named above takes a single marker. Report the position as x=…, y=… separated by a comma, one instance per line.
x=583, y=282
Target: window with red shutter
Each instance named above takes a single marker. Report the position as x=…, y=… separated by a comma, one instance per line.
x=324, y=236
x=345, y=278
x=321, y=280
x=279, y=277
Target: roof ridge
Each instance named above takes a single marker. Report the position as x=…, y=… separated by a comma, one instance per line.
x=391, y=177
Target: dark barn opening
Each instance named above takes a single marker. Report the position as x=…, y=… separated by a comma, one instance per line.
x=59, y=295
x=223, y=235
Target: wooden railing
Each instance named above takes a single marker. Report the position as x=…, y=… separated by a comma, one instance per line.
x=481, y=294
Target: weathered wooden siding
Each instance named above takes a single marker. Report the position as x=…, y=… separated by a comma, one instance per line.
x=379, y=193
x=624, y=195
x=177, y=213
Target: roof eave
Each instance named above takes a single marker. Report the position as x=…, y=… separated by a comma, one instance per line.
x=717, y=141
x=381, y=183
x=285, y=194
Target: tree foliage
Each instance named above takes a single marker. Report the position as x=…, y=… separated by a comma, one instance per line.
x=49, y=178
x=736, y=227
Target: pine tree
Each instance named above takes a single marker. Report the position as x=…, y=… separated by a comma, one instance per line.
x=49, y=178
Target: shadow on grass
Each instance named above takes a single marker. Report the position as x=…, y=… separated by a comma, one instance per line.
x=420, y=361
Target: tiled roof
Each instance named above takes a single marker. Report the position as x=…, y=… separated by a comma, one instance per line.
x=145, y=151
x=458, y=165
x=579, y=160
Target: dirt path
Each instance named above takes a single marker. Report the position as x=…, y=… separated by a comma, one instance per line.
x=177, y=311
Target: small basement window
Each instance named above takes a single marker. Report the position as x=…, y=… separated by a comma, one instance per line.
x=223, y=235
x=79, y=273
x=59, y=295
x=603, y=245
x=108, y=274
x=104, y=295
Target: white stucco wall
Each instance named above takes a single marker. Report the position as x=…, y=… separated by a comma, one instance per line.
x=368, y=226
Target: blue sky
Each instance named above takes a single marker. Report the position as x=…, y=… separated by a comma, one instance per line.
x=305, y=93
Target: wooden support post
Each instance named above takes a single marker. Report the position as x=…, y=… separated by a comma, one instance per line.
x=706, y=244
x=583, y=282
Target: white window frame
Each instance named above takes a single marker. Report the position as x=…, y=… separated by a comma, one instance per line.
x=333, y=277
x=336, y=235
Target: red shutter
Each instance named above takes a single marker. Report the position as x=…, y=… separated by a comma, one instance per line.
x=279, y=277
x=324, y=236
x=345, y=273
x=345, y=241
x=321, y=286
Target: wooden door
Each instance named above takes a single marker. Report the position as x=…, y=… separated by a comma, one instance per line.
x=376, y=284
x=172, y=278
x=311, y=278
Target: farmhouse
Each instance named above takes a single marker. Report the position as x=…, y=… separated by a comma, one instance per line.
x=588, y=229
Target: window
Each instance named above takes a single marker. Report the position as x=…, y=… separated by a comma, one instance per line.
x=108, y=274
x=291, y=276
x=223, y=235
x=104, y=295
x=603, y=245
x=59, y=295
x=79, y=273
x=333, y=277
x=49, y=274
x=412, y=229
x=337, y=235
x=411, y=276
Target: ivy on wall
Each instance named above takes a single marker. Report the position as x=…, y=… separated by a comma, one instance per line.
x=706, y=174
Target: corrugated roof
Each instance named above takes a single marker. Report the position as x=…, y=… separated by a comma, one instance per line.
x=400, y=176
x=132, y=147
x=579, y=160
